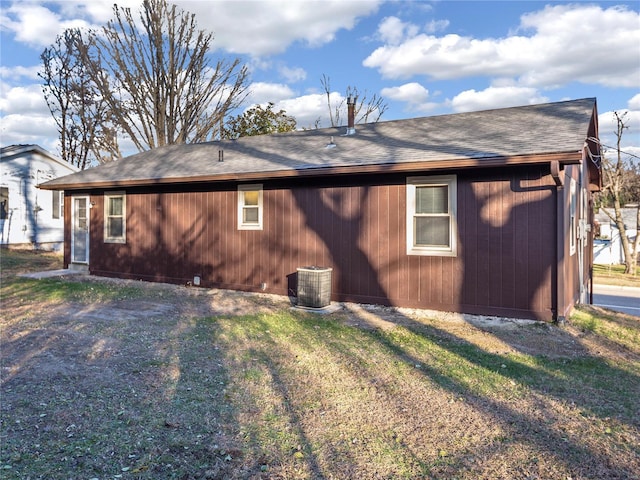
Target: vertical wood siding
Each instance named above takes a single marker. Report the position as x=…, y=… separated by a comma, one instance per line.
x=506, y=229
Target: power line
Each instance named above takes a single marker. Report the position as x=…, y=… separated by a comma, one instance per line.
x=593, y=139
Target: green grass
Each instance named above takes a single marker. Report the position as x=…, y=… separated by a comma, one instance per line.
x=289, y=347
x=288, y=394
x=614, y=275
x=622, y=330
x=63, y=290
x=20, y=261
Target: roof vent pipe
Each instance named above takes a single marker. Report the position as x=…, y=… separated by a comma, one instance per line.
x=221, y=155
x=351, y=115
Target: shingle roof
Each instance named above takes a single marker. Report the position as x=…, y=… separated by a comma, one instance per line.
x=432, y=142
x=12, y=151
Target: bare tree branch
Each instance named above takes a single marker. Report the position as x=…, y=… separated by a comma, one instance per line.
x=157, y=78
x=367, y=110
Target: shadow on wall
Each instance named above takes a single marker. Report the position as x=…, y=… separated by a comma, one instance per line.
x=508, y=240
x=22, y=212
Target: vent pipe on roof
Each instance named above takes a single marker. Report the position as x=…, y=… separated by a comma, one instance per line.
x=221, y=155
x=351, y=115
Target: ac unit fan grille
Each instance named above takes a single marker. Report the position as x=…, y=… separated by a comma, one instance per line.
x=314, y=287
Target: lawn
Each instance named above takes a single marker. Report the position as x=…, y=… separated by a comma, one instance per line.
x=614, y=275
x=117, y=379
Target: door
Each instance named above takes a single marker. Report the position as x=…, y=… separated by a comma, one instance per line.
x=80, y=230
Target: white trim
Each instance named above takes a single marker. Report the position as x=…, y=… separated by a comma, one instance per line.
x=123, y=237
x=242, y=225
x=73, y=228
x=449, y=181
x=573, y=216
x=57, y=213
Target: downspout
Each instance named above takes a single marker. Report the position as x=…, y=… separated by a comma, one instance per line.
x=560, y=247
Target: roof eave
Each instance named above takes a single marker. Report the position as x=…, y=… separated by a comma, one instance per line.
x=564, y=158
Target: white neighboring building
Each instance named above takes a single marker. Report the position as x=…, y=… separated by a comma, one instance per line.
x=30, y=217
x=607, y=246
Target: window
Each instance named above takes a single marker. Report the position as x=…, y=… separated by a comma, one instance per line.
x=250, y=207
x=4, y=203
x=115, y=222
x=431, y=215
x=57, y=202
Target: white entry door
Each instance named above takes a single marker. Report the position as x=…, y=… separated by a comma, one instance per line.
x=80, y=230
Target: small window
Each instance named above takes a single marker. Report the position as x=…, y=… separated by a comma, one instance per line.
x=115, y=222
x=250, y=207
x=431, y=215
x=57, y=202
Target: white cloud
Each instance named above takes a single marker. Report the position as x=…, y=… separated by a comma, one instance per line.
x=308, y=109
x=607, y=124
x=18, y=73
x=269, y=26
x=436, y=26
x=496, y=97
x=98, y=12
x=37, y=25
x=413, y=94
x=24, y=100
x=392, y=30
x=634, y=102
x=567, y=44
x=23, y=129
x=409, y=92
x=262, y=93
x=293, y=74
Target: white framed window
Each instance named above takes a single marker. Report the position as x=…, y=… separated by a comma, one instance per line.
x=115, y=217
x=250, y=207
x=57, y=203
x=573, y=218
x=431, y=215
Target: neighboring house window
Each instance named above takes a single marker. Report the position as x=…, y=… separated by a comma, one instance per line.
x=4, y=212
x=57, y=198
x=4, y=203
x=250, y=207
x=115, y=221
x=431, y=215
x=573, y=219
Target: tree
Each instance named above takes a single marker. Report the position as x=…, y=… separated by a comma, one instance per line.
x=155, y=78
x=259, y=121
x=618, y=188
x=367, y=109
x=80, y=114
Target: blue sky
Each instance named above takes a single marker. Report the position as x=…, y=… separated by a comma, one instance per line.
x=424, y=58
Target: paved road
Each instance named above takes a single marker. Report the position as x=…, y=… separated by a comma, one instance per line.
x=621, y=299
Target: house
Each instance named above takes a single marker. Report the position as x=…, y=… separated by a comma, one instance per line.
x=607, y=247
x=30, y=217
x=483, y=212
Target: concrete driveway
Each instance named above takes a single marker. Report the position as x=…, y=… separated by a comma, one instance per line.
x=620, y=299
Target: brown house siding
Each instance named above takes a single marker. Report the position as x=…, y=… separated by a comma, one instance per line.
x=504, y=266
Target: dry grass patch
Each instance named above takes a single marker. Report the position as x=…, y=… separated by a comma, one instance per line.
x=109, y=379
x=614, y=275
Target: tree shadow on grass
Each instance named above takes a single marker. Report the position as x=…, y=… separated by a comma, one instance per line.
x=481, y=380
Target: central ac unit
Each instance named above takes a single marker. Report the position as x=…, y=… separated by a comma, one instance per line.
x=314, y=287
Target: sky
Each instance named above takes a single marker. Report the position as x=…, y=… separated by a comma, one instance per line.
x=423, y=58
